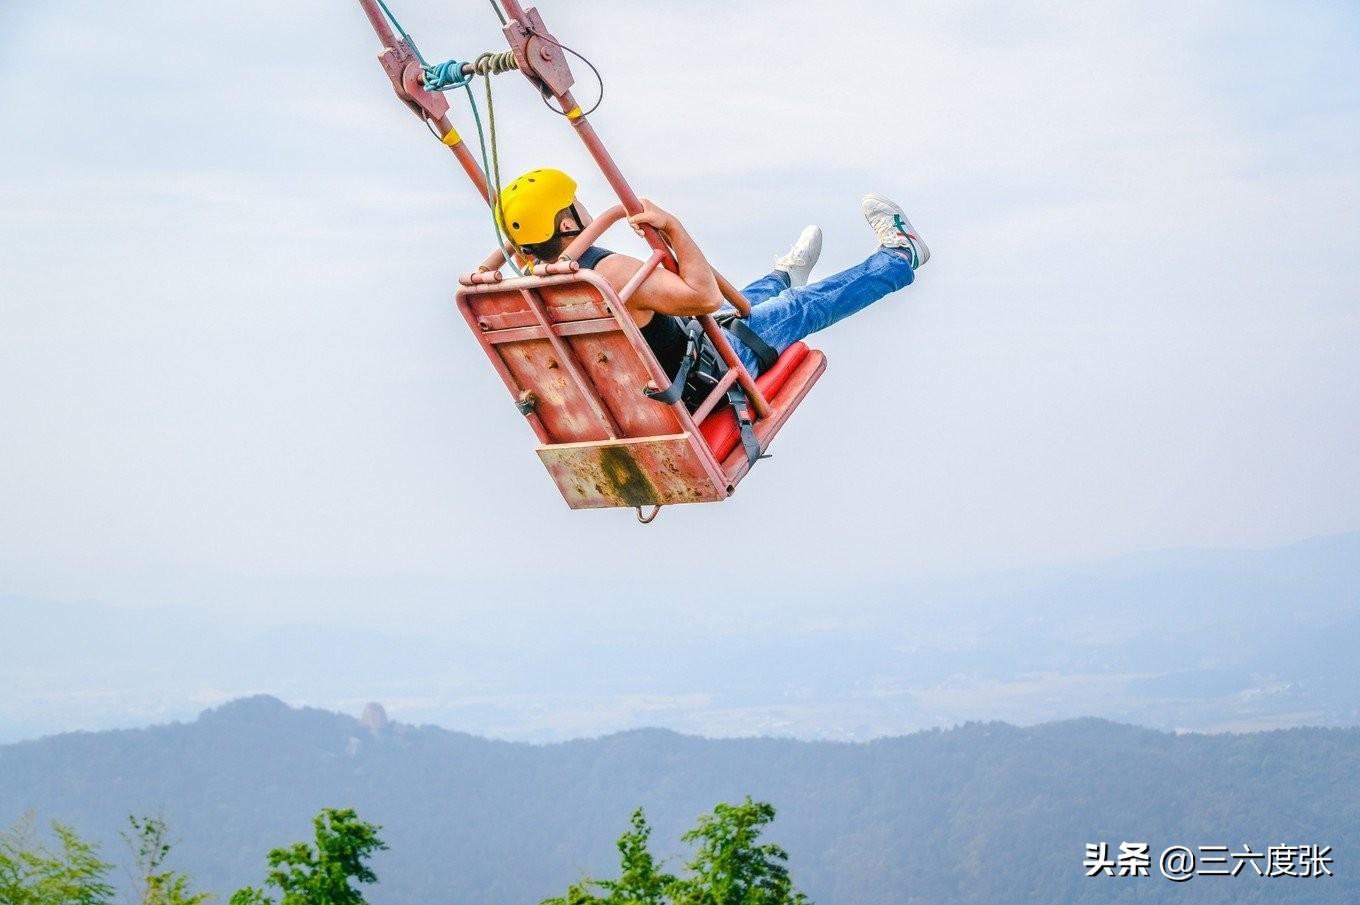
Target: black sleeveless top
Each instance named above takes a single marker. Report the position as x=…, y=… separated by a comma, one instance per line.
x=663, y=332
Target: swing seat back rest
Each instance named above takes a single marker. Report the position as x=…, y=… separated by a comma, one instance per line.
x=577, y=368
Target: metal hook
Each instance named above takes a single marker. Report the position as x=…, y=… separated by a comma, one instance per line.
x=647, y=519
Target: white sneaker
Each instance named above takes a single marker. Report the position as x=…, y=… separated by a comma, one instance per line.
x=802, y=257
x=889, y=222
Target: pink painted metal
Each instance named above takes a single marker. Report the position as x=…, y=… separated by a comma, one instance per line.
x=567, y=362
x=561, y=267
x=402, y=65
x=641, y=276
x=719, y=391
x=733, y=295
x=537, y=51
x=593, y=230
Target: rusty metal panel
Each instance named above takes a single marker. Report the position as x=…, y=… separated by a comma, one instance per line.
x=573, y=302
x=498, y=310
x=565, y=413
x=654, y=471
x=506, y=309
x=619, y=377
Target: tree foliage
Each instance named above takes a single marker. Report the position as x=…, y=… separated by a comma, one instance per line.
x=324, y=874
x=730, y=865
x=641, y=881
x=35, y=873
x=149, y=840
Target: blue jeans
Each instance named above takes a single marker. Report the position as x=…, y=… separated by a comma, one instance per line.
x=781, y=315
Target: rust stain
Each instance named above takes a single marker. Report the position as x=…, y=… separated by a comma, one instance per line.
x=628, y=474
x=626, y=480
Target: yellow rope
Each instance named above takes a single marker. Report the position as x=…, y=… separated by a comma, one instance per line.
x=494, y=63
x=486, y=65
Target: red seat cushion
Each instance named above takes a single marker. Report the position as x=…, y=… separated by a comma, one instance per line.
x=720, y=428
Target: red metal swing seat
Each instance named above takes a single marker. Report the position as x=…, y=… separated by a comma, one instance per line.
x=577, y=366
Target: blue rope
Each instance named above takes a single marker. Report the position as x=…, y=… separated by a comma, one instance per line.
x=445, y=76
x=401, y=31
x=440, y=77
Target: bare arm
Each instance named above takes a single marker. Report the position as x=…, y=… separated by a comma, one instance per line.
x=692, y=292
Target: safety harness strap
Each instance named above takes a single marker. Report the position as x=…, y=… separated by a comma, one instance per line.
x=671, y=394
x=704, y=365
x=736, y=397
x=764, y=352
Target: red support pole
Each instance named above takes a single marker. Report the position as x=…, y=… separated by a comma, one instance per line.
x=542, y=61
x=545, y=65
x=378, y=20
x=403, y=67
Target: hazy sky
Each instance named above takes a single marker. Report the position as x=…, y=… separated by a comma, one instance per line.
x=231, y=375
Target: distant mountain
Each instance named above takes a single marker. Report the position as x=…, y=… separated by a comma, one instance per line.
x=984, y=813
x=1205, y=640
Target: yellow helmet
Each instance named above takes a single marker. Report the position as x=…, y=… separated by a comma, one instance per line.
x=529, y=205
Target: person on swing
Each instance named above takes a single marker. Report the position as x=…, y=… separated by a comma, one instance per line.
x=541, y=215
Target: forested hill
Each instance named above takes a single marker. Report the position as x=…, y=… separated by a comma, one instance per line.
x=982, y=813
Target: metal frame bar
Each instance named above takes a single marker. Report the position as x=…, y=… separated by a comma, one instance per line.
x=640, y=277
x=540, y=430
x=711, y=401
x=566, y=328
x=568, y=361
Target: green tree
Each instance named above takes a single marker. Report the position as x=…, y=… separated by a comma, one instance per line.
x=32, y=873
x=150, y=845
x=730, y=866
x=321, y=875
x=641, y=882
